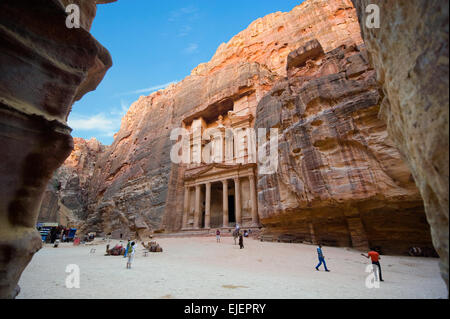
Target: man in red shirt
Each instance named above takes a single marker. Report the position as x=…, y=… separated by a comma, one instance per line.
x=375, y=257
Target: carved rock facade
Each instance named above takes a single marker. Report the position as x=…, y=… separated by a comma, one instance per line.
x=135, y=176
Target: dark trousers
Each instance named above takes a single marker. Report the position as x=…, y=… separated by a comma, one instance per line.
x=379, y=268
x=322, y=261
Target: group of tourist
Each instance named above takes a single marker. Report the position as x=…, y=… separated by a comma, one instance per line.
x=130, y=250
x=372, y=254
x=237, y=234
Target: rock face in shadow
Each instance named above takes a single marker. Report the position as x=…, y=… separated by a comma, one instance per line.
x=135, y=176
x=410, y=55
x=340, y=180
x=44, y=68
x=65, y=200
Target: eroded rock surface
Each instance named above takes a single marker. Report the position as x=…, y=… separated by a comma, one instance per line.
x=44, y=68
x=135, y=176
x=66, y=197
x=410, y=54
x=340, y=180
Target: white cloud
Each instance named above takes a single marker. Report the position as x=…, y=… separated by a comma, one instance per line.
x=184, y=31
x=105, y=125
x=101, y=124
x=147, y=90
x=191, y=48
x=190, y=13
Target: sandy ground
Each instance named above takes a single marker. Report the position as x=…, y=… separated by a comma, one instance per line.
x=200, y=268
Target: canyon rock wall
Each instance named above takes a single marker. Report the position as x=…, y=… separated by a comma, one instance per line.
x=340, y=181
x=44, y=68
x=410, y=54
x=66, y=197
x=135, y=178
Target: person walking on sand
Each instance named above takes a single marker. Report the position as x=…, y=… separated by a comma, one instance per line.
x=241, y=241
x=127, y=249
x=235, y=236
x=321, y=258
x=131, y=253
x=218, y=236
x=375, y=257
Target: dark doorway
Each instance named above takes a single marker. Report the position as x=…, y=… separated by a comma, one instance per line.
x=202, y=217
x=231, y=213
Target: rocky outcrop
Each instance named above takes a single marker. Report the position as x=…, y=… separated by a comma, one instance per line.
x=410, y=55
x=67, y=194
x=135, y=176
x=44, y=68
x=270, y=39
x=340, y=179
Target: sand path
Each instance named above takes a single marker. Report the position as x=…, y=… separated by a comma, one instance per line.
x=200, y=268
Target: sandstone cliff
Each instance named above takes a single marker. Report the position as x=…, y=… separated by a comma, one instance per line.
x=340, y=181
x=135, y=178
x=67, y=194
x=44, y=68
x=410, y=54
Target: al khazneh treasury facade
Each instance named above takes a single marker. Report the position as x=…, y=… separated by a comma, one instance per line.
x=220, y=180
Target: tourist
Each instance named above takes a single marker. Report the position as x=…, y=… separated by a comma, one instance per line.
x=131, y=253
x=235, y=236
x=375, y=257
x=321, y=258
x=218, y=236
x=241, y=241
x=127, y=249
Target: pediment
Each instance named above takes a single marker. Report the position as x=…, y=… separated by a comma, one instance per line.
x=216, y=169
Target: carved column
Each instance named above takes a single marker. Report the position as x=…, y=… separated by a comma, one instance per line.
x=237, y=191
x=197, y=206
x=225, y=203
x=253, y=201
x=186, y=206
x=208, y=206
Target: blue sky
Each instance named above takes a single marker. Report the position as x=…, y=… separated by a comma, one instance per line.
x=154, y=43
